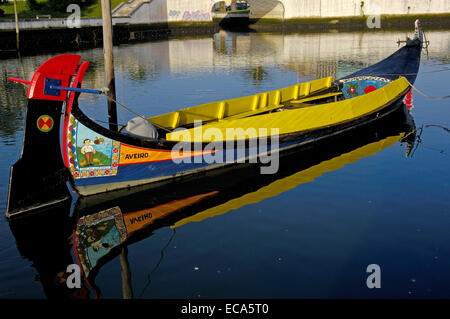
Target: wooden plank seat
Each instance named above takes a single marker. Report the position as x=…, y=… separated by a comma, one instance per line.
x=240, y=107
x=313, y=98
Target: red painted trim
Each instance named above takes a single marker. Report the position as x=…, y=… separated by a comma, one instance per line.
x=19, y=80
x=76, y=83
x=61, y=67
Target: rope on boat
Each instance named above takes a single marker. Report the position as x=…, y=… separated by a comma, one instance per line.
x=426, y=95
x=101, y=121
x=436, y=71
x=103, y=91
x=415, y=73
x=133, y=112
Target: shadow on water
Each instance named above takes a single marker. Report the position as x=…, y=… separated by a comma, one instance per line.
x=92, y=231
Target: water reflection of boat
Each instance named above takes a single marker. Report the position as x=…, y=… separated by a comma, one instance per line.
x=196, y=139
x=101, y=227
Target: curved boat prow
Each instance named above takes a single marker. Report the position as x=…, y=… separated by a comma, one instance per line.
x=404, y=62
x=39, y=177
x=418, y=33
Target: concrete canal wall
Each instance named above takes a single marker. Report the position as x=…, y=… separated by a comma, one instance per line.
x=43, y=24
x=150, y=11
x=154, y=11
x=295, y=9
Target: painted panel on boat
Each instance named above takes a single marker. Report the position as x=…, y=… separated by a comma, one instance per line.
x=362, y=85
x=90, y=154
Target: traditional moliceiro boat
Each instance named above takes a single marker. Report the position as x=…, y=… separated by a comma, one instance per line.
x=94, y=159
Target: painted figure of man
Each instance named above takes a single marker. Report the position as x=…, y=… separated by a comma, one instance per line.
x=88, y=151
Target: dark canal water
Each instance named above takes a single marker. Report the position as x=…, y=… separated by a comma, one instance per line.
x=308, y=232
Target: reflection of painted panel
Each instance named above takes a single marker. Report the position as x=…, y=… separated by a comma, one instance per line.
x=139, y=219
x=90, y=154
x=96, y=235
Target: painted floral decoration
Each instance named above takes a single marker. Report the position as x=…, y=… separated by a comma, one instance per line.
x=352, y=89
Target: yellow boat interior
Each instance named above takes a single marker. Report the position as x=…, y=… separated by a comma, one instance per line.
x=301, y=107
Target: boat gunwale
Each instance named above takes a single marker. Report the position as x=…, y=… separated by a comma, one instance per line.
x=163, y=144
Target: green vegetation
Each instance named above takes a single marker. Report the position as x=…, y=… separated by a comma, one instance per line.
x=29, y=9
x=99, y=159
x=94, y=10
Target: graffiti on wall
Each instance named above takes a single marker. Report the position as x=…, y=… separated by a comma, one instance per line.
x=174, y=13
x=196, y=16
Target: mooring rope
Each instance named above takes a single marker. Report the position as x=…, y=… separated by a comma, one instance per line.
x=135, y=113
x=436, y=71
x=426, y=95
x=426, y=126
x=419, y=139
x=101, y=121
x=414, y=73
x=149, y=276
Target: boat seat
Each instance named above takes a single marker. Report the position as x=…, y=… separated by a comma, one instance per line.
x=254, y=112
x=318, y=97
x=241, y=107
